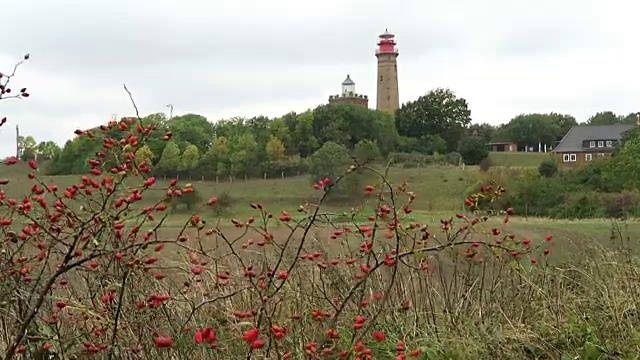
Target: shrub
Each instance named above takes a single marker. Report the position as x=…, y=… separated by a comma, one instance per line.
x=223, y=204
x=186, y=197
x=548, y=168
x=485, y=164
x=473, y=150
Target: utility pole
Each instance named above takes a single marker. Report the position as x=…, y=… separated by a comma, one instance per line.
x=170, y=106
x=17, y=142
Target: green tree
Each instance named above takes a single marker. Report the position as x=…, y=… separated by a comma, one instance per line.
x=548, y=168
x=48, y=150
x=303, y=135
x=144, y=154
x=190, y=158
x=632, y=118
x=192, y=129
x=533, y=129
x=275, y=149
x=243, y=155
x=215, y=162
x=484, y=131
x=330, y=161
x=625, y=165
x=27, y=146
x=565, y=123
x=605, y=118
x=473, y=150
x=439, y=112
x=170, y=160
x=278, y=128
x=366, y=150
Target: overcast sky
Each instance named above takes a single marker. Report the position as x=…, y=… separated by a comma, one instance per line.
x=223, y=58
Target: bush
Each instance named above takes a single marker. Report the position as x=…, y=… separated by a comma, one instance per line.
x=186, y=197
x=224, y=203
x=485, y=164
x=473, y=150
x=548, y=168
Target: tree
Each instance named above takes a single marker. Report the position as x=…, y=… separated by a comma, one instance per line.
x=548, y=168
x=243, y=155
x=28, y=149
x=565, y=123
x=533, y=129
x=48, y=150
x=439, y=112
x=193, y=129
x=170, y=160
x=303, y=135
x=605, y=118
x=144, y=154
x=632, y=118
x=279, y=129
x=366, y=150
x=190, y=158
x=275, y=149
x=473, y=150
x=484, y=131
x=330, y=161
x=625, y=165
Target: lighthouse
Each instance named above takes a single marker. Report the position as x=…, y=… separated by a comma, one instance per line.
x=387, y=55
x=349, y=95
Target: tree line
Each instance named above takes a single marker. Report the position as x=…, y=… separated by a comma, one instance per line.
x=437, y=123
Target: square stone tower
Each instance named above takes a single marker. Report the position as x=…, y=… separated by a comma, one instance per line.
x=387, y=55
x=349, y=95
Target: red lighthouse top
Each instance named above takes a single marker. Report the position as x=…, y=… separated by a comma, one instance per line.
x=386, y=43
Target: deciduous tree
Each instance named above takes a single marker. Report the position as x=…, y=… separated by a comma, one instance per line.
x=440, y=112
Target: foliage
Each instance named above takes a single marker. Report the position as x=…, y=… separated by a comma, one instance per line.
x=626, y=162
x=531, y=129
x=605, y=118
x=366, y=151
x=548, y=168
x=485, y=164
x=473, y=150
x=439, y=112
x=170, y=159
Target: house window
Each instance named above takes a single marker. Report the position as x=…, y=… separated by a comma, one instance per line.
x=565, y=157
x=609, y=143
x=588, y=157
x=572, y=157
x=600, y=143
x=601, y=155
x=592, y=144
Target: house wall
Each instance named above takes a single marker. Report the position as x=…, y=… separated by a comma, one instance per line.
x=504, y=148
x=581, y=158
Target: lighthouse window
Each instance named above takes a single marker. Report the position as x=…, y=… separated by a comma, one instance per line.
x=380, y=77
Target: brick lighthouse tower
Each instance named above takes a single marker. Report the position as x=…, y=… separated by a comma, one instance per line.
x=387, y=55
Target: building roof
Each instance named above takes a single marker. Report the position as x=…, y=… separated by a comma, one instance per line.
x=572, y=141
x=348, y=81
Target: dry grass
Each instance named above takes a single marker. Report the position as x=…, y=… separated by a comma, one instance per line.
x=580, y=301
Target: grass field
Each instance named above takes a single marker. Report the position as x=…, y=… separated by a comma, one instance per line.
x=518, y=159
x=578, y=302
